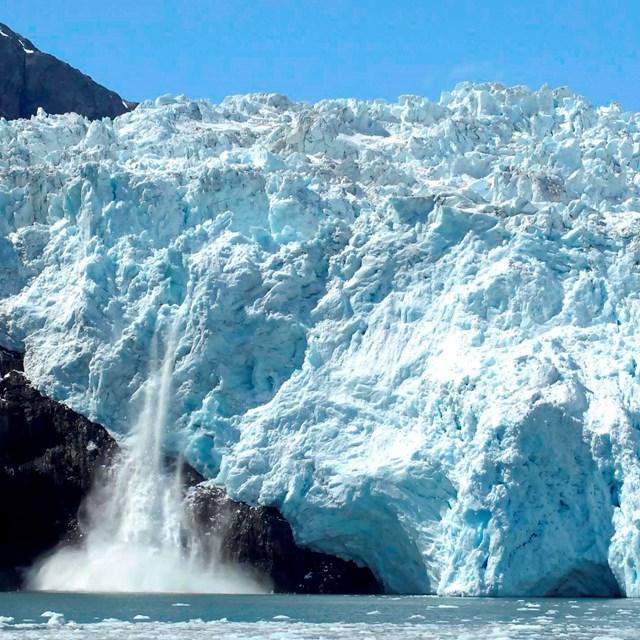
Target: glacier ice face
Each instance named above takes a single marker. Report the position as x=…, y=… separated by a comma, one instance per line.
x=412, y=327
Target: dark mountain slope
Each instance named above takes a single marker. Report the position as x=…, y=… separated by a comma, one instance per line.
x=30, y=79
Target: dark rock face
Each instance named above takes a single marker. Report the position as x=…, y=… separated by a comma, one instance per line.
x=10, y=361
x=30, y=79
x=49, y=457
x=262, y=538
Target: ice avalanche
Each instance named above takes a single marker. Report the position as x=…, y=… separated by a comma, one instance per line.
x=412, y=327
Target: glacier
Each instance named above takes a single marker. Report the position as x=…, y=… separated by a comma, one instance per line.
x=411, y=326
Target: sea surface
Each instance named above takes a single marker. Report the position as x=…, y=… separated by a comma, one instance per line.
x=276, y=617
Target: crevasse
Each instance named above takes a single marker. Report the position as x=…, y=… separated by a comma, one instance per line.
x=411, y=326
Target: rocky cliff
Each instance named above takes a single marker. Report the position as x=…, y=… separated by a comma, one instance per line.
x=48, y=457
x=262, y=538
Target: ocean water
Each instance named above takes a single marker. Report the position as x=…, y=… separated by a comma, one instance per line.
x=239, y=617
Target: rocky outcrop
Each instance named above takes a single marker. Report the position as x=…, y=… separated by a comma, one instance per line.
x=49, y=456
x=10, y=361
x=30, y=79
x=262, y=538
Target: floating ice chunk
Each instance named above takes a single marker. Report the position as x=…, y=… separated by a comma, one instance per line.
x=55, y=619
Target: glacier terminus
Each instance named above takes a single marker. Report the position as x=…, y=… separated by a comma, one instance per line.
x=412, y=327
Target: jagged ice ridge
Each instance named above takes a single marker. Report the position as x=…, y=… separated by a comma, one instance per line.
x=412, y=327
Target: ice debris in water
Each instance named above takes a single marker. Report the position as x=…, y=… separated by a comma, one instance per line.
x=55, y=619
x=196, y=629
x=414, y=318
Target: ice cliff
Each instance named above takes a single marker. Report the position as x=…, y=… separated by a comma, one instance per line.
x=411, y=327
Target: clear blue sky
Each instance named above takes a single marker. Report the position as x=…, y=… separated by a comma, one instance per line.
x=312, y=50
